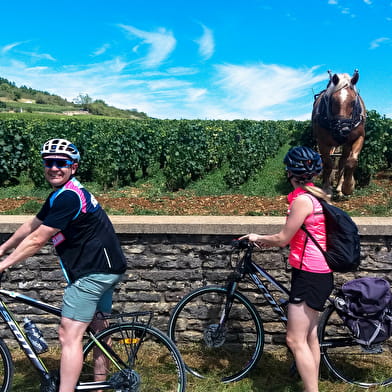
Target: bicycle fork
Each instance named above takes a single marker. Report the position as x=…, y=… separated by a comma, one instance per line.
x=215, y=334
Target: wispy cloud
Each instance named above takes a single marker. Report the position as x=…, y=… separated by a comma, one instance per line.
x=9, y=47
x=342, y=9
x=254, y=91
x=161, y=43
x=256, y=88
x=39, y=56
x=181, y=71
x=206, y=43
x=101, y=50
x=378, y=42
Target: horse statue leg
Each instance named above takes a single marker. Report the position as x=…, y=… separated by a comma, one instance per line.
x=347, y=164
x=325, y=152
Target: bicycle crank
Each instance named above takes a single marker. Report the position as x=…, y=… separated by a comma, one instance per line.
x=215, y=335
x=128, y=380
x=52, y=383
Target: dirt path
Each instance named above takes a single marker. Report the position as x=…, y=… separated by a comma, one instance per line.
x=129, y=202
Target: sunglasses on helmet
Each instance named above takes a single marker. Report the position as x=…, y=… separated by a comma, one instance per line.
x=59, y=163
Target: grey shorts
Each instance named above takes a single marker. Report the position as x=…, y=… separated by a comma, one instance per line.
x=88, y=295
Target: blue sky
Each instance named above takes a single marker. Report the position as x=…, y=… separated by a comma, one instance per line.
x=229, y=59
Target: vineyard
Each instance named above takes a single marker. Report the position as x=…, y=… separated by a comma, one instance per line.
x=117, y=152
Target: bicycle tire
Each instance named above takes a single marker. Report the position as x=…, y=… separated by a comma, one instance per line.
x=347, y=360
x=228, y=358
x=6, y=368
x=156, y=367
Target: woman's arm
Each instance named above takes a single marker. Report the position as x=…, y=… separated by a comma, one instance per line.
x=300, y=209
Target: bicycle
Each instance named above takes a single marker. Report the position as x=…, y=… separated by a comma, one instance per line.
x=219, y=331
x=129, y=343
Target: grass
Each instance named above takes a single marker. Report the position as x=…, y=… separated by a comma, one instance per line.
x=270, y=375
x=33, y=107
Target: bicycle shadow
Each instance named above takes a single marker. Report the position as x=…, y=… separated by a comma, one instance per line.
x=26, y=378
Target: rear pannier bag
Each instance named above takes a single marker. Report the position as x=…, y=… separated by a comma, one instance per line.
x=364, y=304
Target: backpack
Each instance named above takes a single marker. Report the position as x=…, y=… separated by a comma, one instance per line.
x=364, y=305
x=343, y=242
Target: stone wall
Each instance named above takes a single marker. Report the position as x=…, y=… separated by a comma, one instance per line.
x=169, y=256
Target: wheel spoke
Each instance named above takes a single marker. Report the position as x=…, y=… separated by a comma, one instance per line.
x=209, y=348
x=350, y=361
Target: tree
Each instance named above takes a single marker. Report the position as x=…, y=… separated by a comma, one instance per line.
x=83, y=99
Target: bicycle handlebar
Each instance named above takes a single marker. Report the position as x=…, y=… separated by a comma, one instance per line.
x=241, y=244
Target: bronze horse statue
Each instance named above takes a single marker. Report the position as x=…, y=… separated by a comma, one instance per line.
x=338, y=119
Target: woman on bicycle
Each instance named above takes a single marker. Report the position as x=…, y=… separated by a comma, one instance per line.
x=90, y=252
x=312, y=279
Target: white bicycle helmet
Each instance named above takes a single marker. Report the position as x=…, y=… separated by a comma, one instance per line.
x=60, y=146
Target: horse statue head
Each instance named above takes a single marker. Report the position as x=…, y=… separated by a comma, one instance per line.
x=338, y=121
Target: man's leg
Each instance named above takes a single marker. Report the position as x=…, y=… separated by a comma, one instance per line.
x=71, y=335
x=100, y=360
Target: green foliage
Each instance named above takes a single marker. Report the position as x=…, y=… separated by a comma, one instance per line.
x=302, y=134
x=118, y=152
x=13, y=148
x=251, y=145
x=42, y=101
x=19, y=107
x=190, y=150
x=11, y=91
x=376, y=152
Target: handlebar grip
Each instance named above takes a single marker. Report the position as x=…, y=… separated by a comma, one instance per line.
x=240, y=244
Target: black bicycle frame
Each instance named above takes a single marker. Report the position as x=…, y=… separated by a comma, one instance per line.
x=276, y=307
x=19, y=333
x=7, y=315
x=251, y=269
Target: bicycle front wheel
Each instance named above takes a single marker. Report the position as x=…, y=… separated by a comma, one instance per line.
x=142, y=359
x=6, y=368
x=209, y=348
x=350, y=361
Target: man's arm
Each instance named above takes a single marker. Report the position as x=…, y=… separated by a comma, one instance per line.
x=28, y=244
x=20, y=234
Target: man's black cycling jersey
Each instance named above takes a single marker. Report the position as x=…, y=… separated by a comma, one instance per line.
x=86, y=242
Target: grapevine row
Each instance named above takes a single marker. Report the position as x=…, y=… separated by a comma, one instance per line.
x=115, y=152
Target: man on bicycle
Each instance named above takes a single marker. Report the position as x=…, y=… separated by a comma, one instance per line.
x=91, y=255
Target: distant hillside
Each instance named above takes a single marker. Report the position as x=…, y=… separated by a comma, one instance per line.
x=26, y=99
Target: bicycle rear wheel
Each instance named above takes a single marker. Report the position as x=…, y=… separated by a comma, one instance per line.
x=6, y=368
x=227, y=352
x=347, y=359
x=145, y=360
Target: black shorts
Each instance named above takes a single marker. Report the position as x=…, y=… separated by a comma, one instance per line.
x=311, y=287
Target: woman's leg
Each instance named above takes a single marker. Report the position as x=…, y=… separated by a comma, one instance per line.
x=303, y=342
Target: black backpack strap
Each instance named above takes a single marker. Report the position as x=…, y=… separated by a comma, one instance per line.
x=303, y=251
x=303, y=227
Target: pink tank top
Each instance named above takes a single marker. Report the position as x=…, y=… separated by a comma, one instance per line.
x=304, y=254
